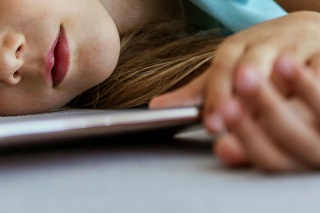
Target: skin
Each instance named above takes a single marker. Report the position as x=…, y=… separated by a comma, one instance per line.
x=93, y=29
x=270, y=78
x=28, y=31
x=292, y=144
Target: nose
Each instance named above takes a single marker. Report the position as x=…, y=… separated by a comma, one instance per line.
x=11, y=58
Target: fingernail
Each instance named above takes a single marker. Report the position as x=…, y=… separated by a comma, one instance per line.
x=215, y=123
x=247, y=80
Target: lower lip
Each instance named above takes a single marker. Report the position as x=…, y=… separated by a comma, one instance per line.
x=61, y=59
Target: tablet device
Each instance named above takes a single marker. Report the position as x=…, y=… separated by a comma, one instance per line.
x=38, y=128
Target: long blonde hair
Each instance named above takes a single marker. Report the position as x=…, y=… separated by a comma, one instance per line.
x=154, y=59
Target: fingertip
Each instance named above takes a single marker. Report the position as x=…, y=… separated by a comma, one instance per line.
x=156, y=103
x=227, y=113
x=286, y=67
x=215, y=123
x=231, y=111
x=247, y=81
x=228, y=150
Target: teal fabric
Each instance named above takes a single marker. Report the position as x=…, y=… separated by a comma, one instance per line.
x=238, y=15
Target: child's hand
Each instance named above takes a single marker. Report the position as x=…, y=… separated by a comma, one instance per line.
x=273, y=132
x=255, y=50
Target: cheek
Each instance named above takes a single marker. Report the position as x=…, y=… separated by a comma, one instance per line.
x=95, y=48
x=99, y=61
x=103, y=53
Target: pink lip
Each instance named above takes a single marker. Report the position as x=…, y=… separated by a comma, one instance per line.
x=58, y=59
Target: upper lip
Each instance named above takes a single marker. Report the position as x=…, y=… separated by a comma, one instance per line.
x=58, y=59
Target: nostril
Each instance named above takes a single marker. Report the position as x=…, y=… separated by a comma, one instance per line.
x=16, y=75
x=18, y=51
x=15, y=78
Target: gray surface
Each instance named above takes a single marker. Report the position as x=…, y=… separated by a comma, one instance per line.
x=177, y=175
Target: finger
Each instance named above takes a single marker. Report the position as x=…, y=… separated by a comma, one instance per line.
x=230, y=151
x=302, y=81
x=259, y=57
x=279, y=121
x=220, y=82
x=189, y=95
x=261, y=54
x=259, y=148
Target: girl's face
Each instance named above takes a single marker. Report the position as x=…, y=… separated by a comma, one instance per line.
x=51, y=51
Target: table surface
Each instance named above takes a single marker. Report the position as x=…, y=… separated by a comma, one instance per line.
x=173, y=175
x=177, y=174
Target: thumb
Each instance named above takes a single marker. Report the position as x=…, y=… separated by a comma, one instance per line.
x=190, y=95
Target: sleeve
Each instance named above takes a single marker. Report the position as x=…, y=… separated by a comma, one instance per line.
x=240, y=14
